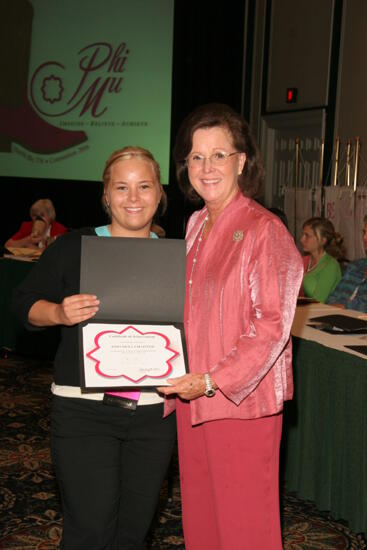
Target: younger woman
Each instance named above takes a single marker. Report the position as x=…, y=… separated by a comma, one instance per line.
x=110, y=452
x=323, y=248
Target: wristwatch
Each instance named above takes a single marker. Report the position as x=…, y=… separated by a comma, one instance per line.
x=209, y=390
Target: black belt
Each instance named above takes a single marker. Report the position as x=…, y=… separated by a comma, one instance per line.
x=116, y=401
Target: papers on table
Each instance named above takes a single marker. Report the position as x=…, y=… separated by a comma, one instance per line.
x=339, y=324
x=339, y=340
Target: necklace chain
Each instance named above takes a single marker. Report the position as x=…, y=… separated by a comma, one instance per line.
x=311, y=268
x=196, y=255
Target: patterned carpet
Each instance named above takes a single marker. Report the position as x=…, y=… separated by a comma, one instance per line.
x=29, y=507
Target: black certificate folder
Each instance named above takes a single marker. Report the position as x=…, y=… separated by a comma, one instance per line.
x=141, y=287
x=135, y=279
x=340, y=324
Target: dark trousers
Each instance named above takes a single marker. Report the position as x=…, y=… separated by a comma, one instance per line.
x=110, y=463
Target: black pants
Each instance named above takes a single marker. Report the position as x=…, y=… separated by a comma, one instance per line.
x=110, y=463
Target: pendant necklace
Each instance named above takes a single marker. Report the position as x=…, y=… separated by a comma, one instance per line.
x=196, y=255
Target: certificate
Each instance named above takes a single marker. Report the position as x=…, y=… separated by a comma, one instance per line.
x=124, y=355
x=136, y=339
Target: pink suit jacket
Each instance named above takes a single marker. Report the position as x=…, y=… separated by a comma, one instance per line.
x=245, y=286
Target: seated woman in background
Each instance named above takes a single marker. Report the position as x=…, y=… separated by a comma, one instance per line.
x=351, y=291
x=323, y=248
x=41, y=230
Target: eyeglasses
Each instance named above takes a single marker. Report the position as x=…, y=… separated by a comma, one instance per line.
x=216, y=159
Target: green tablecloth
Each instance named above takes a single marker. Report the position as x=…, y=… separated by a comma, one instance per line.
x=325, y=432
x=12, y=335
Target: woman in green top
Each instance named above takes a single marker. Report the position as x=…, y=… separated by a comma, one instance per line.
x=324, y=249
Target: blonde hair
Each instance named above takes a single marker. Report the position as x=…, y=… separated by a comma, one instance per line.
x=324, y=230
x=41, y=206
x=127, y=153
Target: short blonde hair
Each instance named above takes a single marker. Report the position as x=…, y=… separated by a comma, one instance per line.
x=127, y=153
x=43, y=206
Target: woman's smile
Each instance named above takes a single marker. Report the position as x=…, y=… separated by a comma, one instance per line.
x=216, y=184
x=133, y=195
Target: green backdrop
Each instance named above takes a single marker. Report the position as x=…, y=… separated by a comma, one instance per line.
x=102, y=68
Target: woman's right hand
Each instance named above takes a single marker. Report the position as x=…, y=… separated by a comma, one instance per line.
x=72, y=310
x=77, y=308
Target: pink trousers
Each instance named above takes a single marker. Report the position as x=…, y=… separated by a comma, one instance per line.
x=229, y=471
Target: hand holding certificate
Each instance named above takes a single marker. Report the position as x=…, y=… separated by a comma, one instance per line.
x=147, y=347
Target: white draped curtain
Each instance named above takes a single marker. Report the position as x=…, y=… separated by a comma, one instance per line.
x=360, y=213
x=340, y=210
x=343, y=206
x=300, y=204
x=346, y=209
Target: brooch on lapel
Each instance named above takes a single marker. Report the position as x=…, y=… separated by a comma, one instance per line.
x=238, y=235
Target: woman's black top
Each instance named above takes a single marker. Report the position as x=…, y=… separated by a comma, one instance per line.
x=55, y=276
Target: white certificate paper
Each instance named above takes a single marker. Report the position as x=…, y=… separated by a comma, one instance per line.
x=131, y=355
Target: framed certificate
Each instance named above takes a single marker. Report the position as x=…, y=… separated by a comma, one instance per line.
x=136, y=339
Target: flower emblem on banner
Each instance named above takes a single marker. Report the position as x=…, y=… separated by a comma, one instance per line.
x=52, y=89
x=132, y=354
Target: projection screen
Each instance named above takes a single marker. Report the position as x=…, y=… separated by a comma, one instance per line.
x=81, y=79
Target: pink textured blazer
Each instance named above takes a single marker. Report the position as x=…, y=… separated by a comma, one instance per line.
x=238, y=318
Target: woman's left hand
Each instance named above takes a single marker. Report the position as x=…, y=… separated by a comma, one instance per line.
x=190, y=386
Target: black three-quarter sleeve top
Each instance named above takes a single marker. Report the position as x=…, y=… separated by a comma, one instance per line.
x=55, y=276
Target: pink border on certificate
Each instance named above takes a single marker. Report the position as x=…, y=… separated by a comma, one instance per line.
x=98, y=370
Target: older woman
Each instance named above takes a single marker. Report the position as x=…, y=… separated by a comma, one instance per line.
x=243, y=277
x=323, y=248
x=41, y=230
x=110, y=452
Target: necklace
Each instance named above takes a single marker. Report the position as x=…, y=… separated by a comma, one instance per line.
x=309, y=267
x=196, y=254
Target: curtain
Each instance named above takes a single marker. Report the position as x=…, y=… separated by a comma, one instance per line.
x=340, y=209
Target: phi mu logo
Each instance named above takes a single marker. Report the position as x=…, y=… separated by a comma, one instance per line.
x=102, y=67
x=26, y=99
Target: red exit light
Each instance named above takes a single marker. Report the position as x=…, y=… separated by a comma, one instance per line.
x=291, y=95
